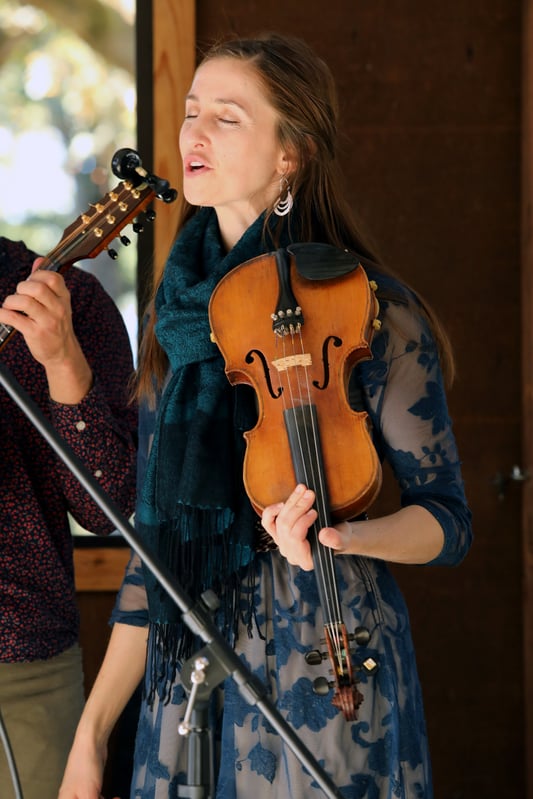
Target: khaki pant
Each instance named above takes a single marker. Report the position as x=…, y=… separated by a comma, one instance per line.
x=40, y=703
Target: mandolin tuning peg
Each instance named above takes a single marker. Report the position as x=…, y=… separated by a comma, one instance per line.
x=150, y=215
x=138, y=227
x=113, y=254
x=322, y=686
x=125, y=241
x=314, y=657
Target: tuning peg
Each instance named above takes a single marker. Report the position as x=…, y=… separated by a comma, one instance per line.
x=113, y=254
x=361, y=636
x=150, y=215
x=138, y=227
x=314, y=657
x=125, y=241
x=322, y=686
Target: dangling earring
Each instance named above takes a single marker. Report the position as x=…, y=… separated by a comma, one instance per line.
x=285, y=202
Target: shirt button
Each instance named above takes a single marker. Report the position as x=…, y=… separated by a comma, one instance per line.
x=98, y=473
x=80, y=426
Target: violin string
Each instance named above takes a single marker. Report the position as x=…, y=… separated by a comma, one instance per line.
x=300, y=396
x=324, y=554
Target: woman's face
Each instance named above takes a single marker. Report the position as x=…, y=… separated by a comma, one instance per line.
x=232, y=159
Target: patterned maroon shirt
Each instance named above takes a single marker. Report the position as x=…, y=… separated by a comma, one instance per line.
x=38, y=610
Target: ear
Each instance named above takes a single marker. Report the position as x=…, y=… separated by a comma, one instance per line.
x=286, y=164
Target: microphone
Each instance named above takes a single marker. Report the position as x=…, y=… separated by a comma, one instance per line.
x=126, y=164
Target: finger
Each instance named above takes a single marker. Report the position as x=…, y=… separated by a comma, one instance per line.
x=54, y=281
x=23, y=302
x=336, y=538
x=269, y=516
x=299, y=503
x=37, y=264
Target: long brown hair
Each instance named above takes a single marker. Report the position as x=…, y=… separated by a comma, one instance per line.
x=301, y=89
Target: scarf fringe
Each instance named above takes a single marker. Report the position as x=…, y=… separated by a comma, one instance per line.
x=171, y=644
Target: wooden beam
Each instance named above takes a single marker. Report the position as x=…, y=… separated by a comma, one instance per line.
x=100, y=568
x=527, y=379
x=174, y=59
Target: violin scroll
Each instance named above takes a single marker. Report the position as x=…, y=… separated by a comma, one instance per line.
x=347, y=697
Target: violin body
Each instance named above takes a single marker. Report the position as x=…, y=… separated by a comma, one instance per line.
x=339, y=314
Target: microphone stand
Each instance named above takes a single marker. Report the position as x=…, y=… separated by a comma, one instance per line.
x=11, y=764
x=195, y=615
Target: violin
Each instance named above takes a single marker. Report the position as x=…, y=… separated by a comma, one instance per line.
x=93, y=230
x=292, y=325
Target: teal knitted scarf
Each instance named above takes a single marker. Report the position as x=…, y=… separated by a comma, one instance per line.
x=193, y=511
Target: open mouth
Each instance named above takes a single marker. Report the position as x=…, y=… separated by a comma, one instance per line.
x=193, y=166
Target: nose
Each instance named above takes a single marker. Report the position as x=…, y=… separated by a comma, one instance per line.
x=193, y=131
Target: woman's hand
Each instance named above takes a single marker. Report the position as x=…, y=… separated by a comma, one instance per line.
x=84, y=772
x=411, y=535
x=288, y=523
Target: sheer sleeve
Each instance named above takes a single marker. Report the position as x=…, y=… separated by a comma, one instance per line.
x=131, y=605
x=404, y=393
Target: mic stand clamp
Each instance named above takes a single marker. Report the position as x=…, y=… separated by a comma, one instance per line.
x=200, y=675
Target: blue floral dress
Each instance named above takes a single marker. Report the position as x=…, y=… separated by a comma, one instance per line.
x=384, y=753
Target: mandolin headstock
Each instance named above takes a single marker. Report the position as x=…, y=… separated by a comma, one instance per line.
x=95, y=229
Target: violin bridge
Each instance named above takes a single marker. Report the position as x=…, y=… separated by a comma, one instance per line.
x=290, y=361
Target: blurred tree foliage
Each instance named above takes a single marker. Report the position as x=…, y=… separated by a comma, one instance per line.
x=67, y=103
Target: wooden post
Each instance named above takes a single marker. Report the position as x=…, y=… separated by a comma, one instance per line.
x=174, y=60
x=527, y=378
